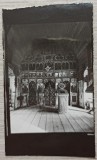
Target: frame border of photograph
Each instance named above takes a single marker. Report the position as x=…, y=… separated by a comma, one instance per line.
x=39, y=145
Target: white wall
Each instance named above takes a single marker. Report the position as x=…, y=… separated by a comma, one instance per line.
x=81, y=93
x=12, y=89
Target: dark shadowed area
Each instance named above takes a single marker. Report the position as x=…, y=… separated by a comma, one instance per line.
x=25, y=39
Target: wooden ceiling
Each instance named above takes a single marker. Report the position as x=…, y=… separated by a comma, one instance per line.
x=65, y=27
x=65, y=38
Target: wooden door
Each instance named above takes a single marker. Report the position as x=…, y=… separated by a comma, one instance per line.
x=32, y=93
x=49, y=93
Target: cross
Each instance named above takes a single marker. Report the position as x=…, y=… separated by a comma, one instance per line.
x=48, y=68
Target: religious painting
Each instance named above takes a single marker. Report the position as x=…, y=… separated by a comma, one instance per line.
x=24, y=85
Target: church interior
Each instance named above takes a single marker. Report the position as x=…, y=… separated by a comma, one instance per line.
x=50, y=73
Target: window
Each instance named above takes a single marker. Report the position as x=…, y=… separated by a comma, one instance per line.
x=67, y=65
x=71, y=65
x=37, y=66
x=73, y=98
x=56, y=74
x=58, y=66
x=74, y=65
x=24, y=67
x=41, y=66
x=63, y=66
x=60, y=74
x=32, y=66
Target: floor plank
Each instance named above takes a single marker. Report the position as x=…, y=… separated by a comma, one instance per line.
x=49, y=124
x=42, y=122
x=21, y=113
x=89, y=122
x=88, y=119
x=29, y=120
x=66, y=124
x=57, y=124
x=18, y=121
x=84, y=126
x=73, y=123
x=22, y=123
x=34, y=120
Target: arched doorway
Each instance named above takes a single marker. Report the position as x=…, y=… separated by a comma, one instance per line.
x=32, y=93
x=49, y=93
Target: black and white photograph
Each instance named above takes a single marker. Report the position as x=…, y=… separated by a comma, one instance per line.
x=49, y=70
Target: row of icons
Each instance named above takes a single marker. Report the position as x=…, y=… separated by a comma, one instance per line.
x=50, y=74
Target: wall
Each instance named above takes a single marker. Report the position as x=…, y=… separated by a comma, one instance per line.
x=12, y=89
x=81, y=93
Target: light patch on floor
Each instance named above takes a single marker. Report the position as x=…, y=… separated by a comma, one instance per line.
x=35, y=120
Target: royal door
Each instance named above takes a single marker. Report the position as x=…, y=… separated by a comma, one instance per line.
x=32, y=93
x=49, y=93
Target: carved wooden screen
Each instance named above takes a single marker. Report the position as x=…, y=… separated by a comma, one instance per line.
x=32, y=93
x=49, y=93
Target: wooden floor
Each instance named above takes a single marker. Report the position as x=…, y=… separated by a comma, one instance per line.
x=32, y=120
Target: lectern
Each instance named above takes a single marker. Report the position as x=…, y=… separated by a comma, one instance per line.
x=63, y=102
